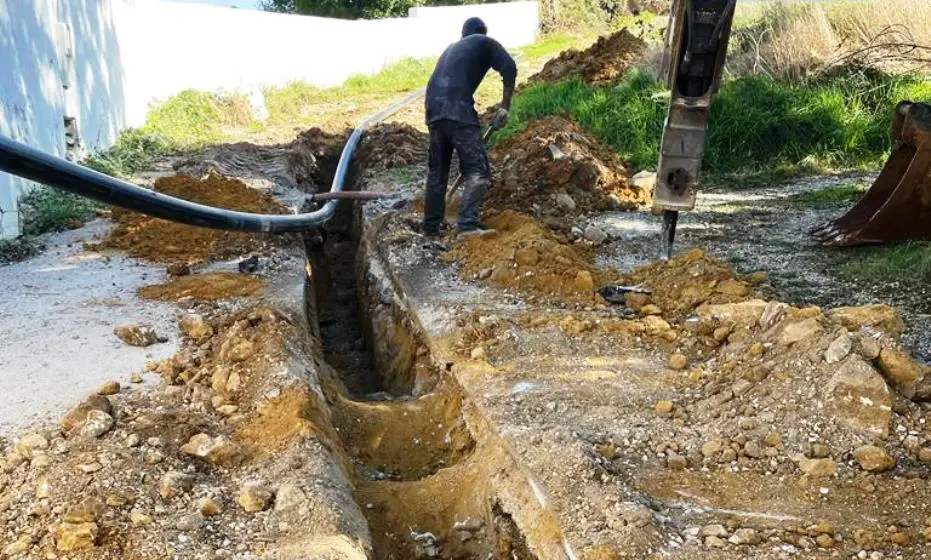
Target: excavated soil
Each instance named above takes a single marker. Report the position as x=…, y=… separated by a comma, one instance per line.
x=602, y=64
x=391, y=146
x=204, y=287
x=523, y=255
x=158, y=240
x=555, y=168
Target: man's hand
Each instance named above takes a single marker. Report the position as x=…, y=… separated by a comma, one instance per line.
x=500, y=118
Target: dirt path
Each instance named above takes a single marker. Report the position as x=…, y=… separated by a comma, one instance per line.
x=57, y=315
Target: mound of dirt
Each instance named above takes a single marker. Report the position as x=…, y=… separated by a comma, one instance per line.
x=559, y=169
x=158, y=240
x=602, y=64
x=525, y=256
x=688, y=280
x=392, y=145
x=204, y=287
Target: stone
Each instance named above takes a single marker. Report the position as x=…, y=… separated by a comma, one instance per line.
x=109, y=388
x=745, y=537
x=43, y=488
x=756, y=350
x=133, y=440
x=196, y=327
x=713, y=530
x=818, y=467
x=664, y=407
x=899, y=369
x=715, y=542
x=219, y=450
x=478, y=353
x=732, y=287
x=234, y=382
x=565, y=203
x=773, y=439
x=227, y=409
x=720, y=334
x=175, y=483
x=838, y=349
x=744, y=314
x=859, y=397
x=820, y=451
x=825, y=541
x=900, y=538
x=926, y=533
x=88, y=510
x=527, y=256
x=19, y=546
x=137, y=335
x=140, y=519
x=242, y=351
x=209, y=507
x=97, y=424
x=644, y=180
x=30, y=445
x=879, y=316
x=77, y=416
x=189, y=523
x=289, y=497
x=136, y=377
x=76, y=536
x=869, y=348
x=925, y=455
x=678, y=362
x=797, y=331
x=255, y=497
x=584, y=283
x=711, y=448
x=651, y=309
x=636, y=301
x=824, y=528
x=676, y=462
x=595, y=234
x=655, y=326
x=874, y=459
x=753, y=449
x=773, y=312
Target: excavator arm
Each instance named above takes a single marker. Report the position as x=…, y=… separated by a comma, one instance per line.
x=693, y=61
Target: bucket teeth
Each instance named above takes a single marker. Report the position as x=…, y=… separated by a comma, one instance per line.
x=897, y=206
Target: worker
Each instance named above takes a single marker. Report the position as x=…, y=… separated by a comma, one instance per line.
x=453, y=124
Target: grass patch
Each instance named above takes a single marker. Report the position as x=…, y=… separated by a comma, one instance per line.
x=757, y=125
x=47, y=209
x=134, y=150
x=194, y=118
x=910, y=261
x=830, y=196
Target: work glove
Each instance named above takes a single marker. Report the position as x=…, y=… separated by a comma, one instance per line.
x=500, y=119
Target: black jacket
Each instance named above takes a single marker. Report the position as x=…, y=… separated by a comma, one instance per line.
x=458, y=73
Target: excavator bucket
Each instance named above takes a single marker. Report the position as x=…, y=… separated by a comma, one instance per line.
x=897, y=207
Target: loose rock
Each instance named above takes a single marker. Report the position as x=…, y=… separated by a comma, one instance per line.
x=76, y=536
x=745, y=537
x=678, y=362
x=254, y=497
x=97, y=424
x=874, y=459
x=109, y=388
x=77, y=416
x=209, y=507
x=174, y=483
x=137, y=335
x=818, y=467
x=839, y=349
x=219, y=450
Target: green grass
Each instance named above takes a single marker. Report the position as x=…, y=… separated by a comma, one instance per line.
x=758, y=126
x=134, y=150
x=48, y=209
x=831, y=196
x=910, y=261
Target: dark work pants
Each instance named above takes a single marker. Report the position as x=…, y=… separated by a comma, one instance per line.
x=466, y=139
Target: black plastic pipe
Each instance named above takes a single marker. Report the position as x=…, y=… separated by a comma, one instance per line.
x=35, y=165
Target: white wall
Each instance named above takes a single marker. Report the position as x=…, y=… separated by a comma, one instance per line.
x=128, y=54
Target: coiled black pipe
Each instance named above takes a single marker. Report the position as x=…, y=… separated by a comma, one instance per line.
x=29, y=163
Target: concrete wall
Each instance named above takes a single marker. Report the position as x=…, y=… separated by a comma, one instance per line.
x=117, y=57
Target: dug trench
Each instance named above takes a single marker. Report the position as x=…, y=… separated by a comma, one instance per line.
x=428, y=472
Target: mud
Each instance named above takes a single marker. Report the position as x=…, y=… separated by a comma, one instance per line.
x=525, y=256
x=158, y=240
x=204, y=287
x=602, y=64
x=391, y=146
x=554, y=157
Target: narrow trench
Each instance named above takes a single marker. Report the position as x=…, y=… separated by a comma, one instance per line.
x=417, y=471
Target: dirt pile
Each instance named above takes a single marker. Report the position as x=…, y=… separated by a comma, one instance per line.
x=204, y=287
x=325, y=147
x=602, y=64
x=525, y=256
x=158, y=240
x=558, y=169
x=180, y=472
x=390, y=146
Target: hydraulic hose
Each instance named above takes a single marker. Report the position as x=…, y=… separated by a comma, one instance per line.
x=35, y=165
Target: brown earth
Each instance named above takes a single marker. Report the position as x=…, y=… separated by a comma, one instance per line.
x=158, y=240
x=204, y=287
x=554, y=158
x=525, y=256
x=391, y=145
x=602, y=64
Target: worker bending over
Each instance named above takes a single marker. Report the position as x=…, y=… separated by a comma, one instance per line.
x=453, y=124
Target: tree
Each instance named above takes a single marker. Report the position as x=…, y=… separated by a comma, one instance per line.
x=346, y=9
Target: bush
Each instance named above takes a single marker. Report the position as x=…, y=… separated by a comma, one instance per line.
x=134, y=150
x=46, y=209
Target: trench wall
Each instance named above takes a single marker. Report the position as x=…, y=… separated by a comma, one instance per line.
x=103, y=63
